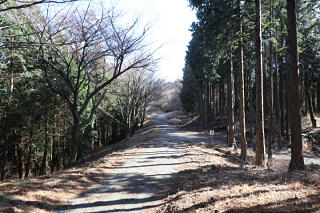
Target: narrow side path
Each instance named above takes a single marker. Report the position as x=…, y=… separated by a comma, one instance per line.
x=136, y=185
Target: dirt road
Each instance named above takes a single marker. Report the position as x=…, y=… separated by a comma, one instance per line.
x=136, y=185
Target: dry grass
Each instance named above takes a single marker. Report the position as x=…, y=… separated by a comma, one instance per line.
x=49, y=192
x=216, y=182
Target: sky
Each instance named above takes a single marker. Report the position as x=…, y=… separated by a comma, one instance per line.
x=169, y=22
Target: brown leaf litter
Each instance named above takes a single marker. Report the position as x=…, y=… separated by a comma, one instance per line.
x=214, y=181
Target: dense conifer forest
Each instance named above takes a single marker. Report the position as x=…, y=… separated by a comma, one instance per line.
x=256, y=63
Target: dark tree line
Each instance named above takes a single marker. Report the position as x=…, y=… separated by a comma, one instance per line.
x=242, y=64
x=60, y=93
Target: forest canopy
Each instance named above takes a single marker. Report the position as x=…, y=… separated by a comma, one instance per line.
x=60, y=93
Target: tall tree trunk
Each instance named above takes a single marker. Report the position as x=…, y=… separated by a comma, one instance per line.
x=252, y=120
x=217, y=100
x=260, y=139
x=103, y=134
x=287, y=117
x=281, y=97
x=205, y=105
x=65, y=147
x=201, y=100
x=313, y=97
x=271, y=88
x=251, y=98
x=209, y=99
x=76, y=139
x=304, y=100
x=20, y=152
x=296, y=161
x=277, y=105
x=4, y=127
x=318, y=96
x=213, y=99
x=58, y=144
x=4, y=159
x=222, y=98
x=143, y=115
x=282, y=80
x=230, y=103
x=265, y=82
x=114, y=134
x=4, y=141
x=43, y=167
x=241, y=93
x=107, y=134
x=276, y=94
x=28, y=162
x=308, y=97
x=54, y=149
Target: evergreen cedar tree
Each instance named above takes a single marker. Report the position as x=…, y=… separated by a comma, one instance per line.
x=228, y=43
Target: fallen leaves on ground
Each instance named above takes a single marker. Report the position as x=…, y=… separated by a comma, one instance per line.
x=214, y=181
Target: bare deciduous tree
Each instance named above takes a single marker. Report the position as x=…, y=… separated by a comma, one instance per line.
x=82, y=53
x=136, y=90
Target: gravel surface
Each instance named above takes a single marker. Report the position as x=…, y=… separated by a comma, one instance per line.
x=136, y=185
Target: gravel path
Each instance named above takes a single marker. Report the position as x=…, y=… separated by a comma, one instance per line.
x=136, y=185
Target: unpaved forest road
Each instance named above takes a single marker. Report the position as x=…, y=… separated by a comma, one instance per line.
x=136, y=185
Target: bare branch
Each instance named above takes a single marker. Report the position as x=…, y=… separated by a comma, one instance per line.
x=24, y=4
